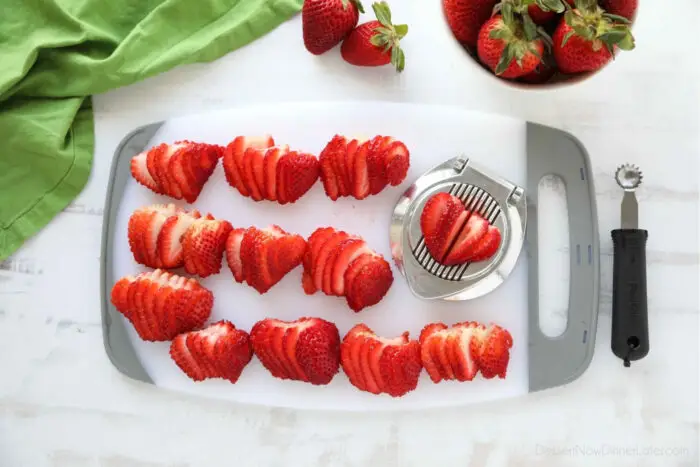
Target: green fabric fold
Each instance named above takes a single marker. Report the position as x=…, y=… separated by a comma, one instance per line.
x=57, y=53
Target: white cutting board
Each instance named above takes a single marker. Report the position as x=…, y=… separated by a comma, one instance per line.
x=432, y=134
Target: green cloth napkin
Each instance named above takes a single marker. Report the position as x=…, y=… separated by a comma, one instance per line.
x=56, y=53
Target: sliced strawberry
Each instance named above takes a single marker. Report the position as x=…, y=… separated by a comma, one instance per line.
x=291, y=337
x=330, y=265
x=234, y=155
x=491, y=348
x=120, y=293
x=258, y=166
x=170, y=238
x=183, y=358
x=296, y=173
x=278, y=349
x=463, y=249
x=361, y=186
x=166, y=178
x=397, y=162
x=272, y=157
x=317, y=349
x=341, y=166
x=260, y=337
x=205, y=242
x=400, y=366
x=349, y=164
x=139, y=170
x=348, y=364
x=323, y=255
x=368, y=284
x=465, y=366
x=249, y=245
x=152, y=158
x=136, y=232
x=307, y=283
x=157, y=215
x=253, y=159
x=368, y=345
x=352, y=248
x=329, y=177
x=376, y=169
x=316, y=240
x=440, y=350
x=377, y=346
x=427, y=335
x=233, y=253
x=487, y=246
x=192, y=165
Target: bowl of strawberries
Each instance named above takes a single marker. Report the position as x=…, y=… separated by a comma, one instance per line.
x=542, y=43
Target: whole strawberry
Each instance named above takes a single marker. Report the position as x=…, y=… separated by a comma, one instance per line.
x=325, y=23
x=508, y=48
x=376, y=43
x=544, y=11
x=587, y=37
x=625, y=8
x=465, y=17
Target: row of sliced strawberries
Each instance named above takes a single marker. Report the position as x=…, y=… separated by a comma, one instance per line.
x=162, y=307
x=260, y=169
x=168, y=236
x=350, y=167
x=341, y=264
x=177, y=170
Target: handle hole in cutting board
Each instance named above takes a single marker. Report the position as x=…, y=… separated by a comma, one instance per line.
x=553, y=255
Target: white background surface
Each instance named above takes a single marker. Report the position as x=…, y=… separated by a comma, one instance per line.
x=62, y=404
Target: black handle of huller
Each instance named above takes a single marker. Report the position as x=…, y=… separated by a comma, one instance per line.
x=630, y=324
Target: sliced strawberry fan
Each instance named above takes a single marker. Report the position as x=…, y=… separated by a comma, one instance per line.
x=161, y=305
x=343, y=265
x=380, y=365
x=261, y=170
x=306, y=349
x=350, y=167
x=178, y=170
x=262, y=257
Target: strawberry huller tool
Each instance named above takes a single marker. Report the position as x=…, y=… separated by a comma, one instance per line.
x=514, y=210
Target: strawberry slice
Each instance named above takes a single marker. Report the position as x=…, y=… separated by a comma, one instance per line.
x=279, y=351
x=349, y=164
x=376, y=169
x=139, y=170
x=165, y=177
x=490, y=347
x=464, y=364
x=472, y=233
x=170, y=238
x=323, y=256
x=233, y=253
x=355, y=353
x=361, y=186
x=180, y=353
x=341, y=167
x=253, y=159
x=272, y=157
x=349, y=355
x=120, y=293
x=296, y=174
x=329, y=268
x=260, y=337
x=429, y=333
x=396, y=162
x=329, y=176
x=234, y=155
x=152, y=158
x=316, y=240
x=352, y=249
x=365, y=366
x=487, y=246
x=159, y=214
x=367, y=281
x=291, y=337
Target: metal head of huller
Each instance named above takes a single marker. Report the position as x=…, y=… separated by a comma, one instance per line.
x=500, y=202
x=629, y=177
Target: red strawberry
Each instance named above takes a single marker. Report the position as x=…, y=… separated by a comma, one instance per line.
x=460, y=352
x=376, y=165
x=161, y=305
x=360, y=172
x=507, y=48
x=380, y=365
x=234, y=155
x=262, y=257
x=297, y=172
x=307, y=349
x=586, y=39
x=542, y=73
x=170, y=238
x=203, y=245
x=325, y=23
x=340, y=264
x=144, y=230
x=396, y=162
x=139, y=170
x=625, y=8
x=542, y=11
x=465, y=17
x=376, y=43
x=217, y=351
x=452, y=235
x=272, y=158
x=329, y=177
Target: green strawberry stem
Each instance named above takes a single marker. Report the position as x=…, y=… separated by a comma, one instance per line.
x=517, y=39
x=357, y=4
x=591, y=22
x=388, y=35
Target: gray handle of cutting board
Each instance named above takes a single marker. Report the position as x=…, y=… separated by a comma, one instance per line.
x=117, y=343
x=555, y=361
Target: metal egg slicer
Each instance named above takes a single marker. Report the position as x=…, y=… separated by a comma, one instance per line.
x=500, y=202
x=553, y=360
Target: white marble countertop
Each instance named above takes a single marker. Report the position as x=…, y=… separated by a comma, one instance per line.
x=62, y=404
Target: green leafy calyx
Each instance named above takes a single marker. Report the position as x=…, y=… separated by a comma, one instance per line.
x=388, y=36
x=593, y=24
x=357, y=3
x=520, y=38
